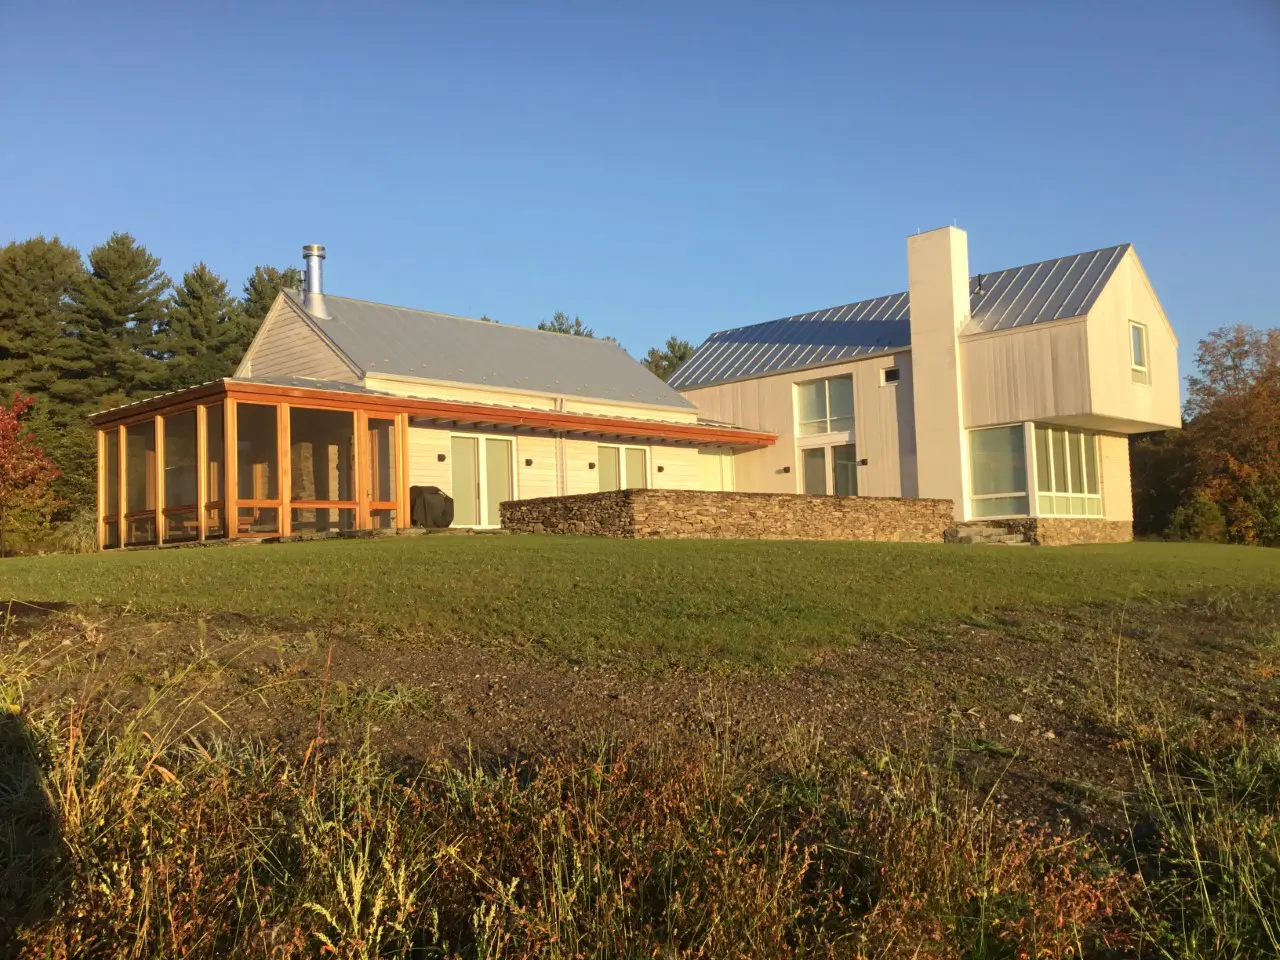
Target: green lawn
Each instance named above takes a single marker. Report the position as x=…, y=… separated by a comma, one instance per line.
x=741, y=600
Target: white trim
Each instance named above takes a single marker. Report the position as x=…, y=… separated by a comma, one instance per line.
x=1140, y=373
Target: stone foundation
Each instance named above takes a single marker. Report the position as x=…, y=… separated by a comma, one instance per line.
x=1060, y=531
x=692, y=514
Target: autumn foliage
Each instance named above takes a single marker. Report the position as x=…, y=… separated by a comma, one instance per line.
x=26, y=474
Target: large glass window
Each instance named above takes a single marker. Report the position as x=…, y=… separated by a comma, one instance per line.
x=825, y=406
x=1138, y=353
x=622, y=468
x=140, y=483
x=257, y=470
x=1067, y=482
x=813, y=464
x=215, y=457
x=844, y=470
x=181, y=478
x=998, y=464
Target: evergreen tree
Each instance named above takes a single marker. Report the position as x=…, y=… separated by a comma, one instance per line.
x=118, y=307
x=36, y=280
x=560, y=323
x=201, y=330
x=260, y=292
x=663, y=361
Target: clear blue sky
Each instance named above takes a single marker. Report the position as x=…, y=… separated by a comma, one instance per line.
x=656, y=168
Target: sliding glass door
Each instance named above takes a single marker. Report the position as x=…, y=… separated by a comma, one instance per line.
x=482, y=479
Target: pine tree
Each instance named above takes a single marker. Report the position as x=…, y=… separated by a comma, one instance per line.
x=664, y=360
x=36, y=280
x=201, y=330
x=118, y=306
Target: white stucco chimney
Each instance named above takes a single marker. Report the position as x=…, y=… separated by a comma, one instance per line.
x=938, y=290
x=313, y=282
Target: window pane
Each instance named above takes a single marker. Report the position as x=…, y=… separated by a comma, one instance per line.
x=607, y=464
x=258, y=475
x=382, y=460
x=998, y=460
x=1059, y=443
x=840, y=395
x=216, y=452
x=844, y=470
x=259, y=520
x=322, y=519
x=813, y=406
x=497, y=476
x=321, y=454
x=814, y=463
x=180, y=468
x=637, y=474
x=1044, y=469
x=1001, y=507
x=465, y=454
x=111, y=467
x=1139, y=345
x=140, y=469
x=1076, y=453
x=1091, y=463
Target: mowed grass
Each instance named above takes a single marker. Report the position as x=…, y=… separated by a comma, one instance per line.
x=739, y=600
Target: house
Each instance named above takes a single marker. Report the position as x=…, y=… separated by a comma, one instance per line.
x=1010, y=394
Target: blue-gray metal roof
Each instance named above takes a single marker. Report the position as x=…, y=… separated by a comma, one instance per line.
x=381, y=339
x=1035, y=293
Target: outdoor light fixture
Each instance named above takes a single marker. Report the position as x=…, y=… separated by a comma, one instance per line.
x=528, y=462
x=440, y=457
x=591, y=465
x=786, y=469
x=661, y=468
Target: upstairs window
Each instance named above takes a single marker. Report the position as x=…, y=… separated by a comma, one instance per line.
x=1138, y=353
x=890, y=375
x=826, y=406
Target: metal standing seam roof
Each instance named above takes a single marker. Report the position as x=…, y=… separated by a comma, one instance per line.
x=1020, y=296
x=382, y=339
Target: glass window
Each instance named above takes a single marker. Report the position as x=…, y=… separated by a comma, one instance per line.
x=465, y=454
x=844, y=470
x=825, y=406
x=111, y=469
x=637, y=473
x=1138, y=353
x=814, y=465
x=998, y=468
x=497, y=478
x=180, y=468
x=215, y=454
x=1067, y=472
x=257, y=452
x=321, y=454
x=609, y=467
x=382, y=460
x=890, y=375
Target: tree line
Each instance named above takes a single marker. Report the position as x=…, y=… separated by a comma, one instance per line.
x=81, y=334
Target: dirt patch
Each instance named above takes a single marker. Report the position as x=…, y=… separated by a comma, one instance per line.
x=1043, y=704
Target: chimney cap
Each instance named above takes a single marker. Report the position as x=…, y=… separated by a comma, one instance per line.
x=313, y=250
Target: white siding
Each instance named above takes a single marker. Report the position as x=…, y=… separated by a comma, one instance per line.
x=1117, y=485
x=1037, y=373
x=425, y=467
x=680, y=468
x=540, y=478
x=288, y=346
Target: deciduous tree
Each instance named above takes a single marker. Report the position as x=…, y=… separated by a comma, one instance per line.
x=27, y=500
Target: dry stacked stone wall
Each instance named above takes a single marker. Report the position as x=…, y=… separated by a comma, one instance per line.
x=1061, y=531
x=690, y=514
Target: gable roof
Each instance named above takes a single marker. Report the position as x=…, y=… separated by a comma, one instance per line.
x=400, y=342
x=1020, y=296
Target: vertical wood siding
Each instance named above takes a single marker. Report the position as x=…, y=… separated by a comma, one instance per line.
x=1036, y=373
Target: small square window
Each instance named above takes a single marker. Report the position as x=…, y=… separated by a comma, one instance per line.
x=890, y=375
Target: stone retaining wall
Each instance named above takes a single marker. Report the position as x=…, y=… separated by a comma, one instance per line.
x=1061, y=531
x=692, y=514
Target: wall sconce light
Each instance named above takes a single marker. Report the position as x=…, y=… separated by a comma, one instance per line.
x=528, y=462
x=440, y=457
x=591, y=465
x=661, y=468
x=862, y=462
x=786, y=469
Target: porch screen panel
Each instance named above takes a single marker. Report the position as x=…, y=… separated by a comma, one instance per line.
x=140, y=483
x=215, y=467
x=181, y=480
x=382, y=460
x=111, y=489
x=322, y=469
x=258, y=470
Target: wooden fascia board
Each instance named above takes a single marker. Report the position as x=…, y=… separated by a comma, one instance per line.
x=166, y=404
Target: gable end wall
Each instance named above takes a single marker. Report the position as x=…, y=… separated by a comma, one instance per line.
x=287, y=345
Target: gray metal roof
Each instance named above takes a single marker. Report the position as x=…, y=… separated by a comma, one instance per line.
x=1035, y=293
x=381, y=339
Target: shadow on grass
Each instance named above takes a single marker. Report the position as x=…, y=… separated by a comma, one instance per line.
x=32, y=853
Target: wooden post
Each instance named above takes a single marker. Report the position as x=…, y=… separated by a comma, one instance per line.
x=230, y=470
x=284, y=469
x=403, y=506
x=122, y=440
x=102, y=488
x=202, y=470
x=159, y=478
x=363, y=491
